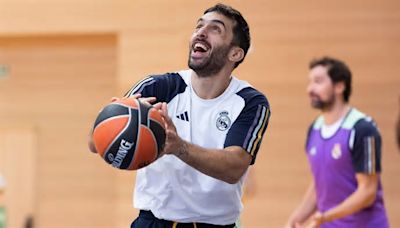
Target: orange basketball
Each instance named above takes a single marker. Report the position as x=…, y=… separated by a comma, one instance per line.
x=129, y=134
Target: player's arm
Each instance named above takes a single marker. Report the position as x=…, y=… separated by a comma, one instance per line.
x=363, y=197
x=366, y=157
x=241, y=144
x=305, y=209
x=228, y=164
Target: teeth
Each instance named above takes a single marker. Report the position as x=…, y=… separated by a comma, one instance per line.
x=201, y=46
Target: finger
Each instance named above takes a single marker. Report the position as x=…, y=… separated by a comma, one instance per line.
x=165, y=108
x=136, y=96
x=113, y=99
x=170, y=124
x=164, y=111
x=147, y=100
x=158, y=106
x=168, y=121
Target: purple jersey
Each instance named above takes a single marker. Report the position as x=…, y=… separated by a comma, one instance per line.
x=354, y=148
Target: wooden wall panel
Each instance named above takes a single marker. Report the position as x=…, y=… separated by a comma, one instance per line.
x=18, y=155
x=58, y=85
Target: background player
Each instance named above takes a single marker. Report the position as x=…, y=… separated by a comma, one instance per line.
x=344, y=151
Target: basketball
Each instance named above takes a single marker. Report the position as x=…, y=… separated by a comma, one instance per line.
x=129, y=134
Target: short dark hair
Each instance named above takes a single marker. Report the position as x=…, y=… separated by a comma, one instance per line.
x=241, y=30
x=338, y=71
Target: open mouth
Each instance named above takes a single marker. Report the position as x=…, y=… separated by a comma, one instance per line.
x=200, y=49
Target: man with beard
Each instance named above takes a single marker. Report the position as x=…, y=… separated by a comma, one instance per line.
x=344, y=151
x=214, y=127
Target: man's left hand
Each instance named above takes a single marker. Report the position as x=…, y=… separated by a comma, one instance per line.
x=317, y=220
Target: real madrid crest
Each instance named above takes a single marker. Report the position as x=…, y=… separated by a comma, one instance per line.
x=336, y=151
x=223, y=121
x=313, y=151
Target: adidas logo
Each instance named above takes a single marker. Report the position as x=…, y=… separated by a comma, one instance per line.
x=184, y=116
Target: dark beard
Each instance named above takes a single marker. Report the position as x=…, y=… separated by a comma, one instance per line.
x=323, y=105
x=213, y=64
